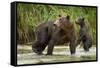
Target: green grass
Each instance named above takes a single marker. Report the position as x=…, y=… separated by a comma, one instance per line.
x=29, y=16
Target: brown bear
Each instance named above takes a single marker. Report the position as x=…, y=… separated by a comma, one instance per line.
x=49, y=33
x=85, y=36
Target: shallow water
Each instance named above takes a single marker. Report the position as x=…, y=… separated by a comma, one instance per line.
x=60, y=54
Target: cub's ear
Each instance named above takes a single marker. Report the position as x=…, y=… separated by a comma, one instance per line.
x=82, y=18
x=59, y=15
x=68, y=17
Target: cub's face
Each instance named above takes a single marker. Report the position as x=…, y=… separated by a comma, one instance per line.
x=80, y=21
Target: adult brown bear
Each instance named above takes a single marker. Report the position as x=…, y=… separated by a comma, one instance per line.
x=49, y=33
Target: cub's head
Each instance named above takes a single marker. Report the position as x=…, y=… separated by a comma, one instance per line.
x=80, y=21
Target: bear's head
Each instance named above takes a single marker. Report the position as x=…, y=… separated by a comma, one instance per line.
x=64, y=23
x=62, y=20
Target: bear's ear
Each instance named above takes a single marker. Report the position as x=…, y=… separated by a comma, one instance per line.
x=59, y=15
x=68, y=17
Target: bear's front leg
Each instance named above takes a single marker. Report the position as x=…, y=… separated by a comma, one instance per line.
x=54, y=39
x=50, y=47
x=73, y=47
